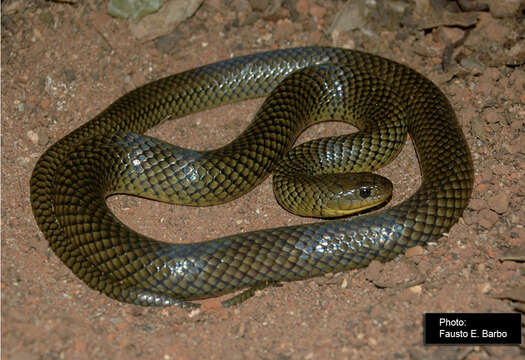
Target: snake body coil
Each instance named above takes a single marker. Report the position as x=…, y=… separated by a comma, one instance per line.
x=106, y=155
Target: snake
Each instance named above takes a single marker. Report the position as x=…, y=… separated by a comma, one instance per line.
x=110, y=154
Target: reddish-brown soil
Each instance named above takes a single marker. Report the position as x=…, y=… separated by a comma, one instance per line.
x=63, y=63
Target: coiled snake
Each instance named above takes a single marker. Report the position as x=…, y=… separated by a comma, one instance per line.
x=306, y=85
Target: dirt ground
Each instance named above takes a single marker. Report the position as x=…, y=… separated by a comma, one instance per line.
x=64, y=62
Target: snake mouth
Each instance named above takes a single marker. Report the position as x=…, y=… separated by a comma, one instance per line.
x=369, y=207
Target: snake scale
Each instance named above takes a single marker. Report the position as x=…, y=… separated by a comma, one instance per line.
x=107, y=155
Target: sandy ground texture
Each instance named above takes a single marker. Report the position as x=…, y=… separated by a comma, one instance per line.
x=64, y=62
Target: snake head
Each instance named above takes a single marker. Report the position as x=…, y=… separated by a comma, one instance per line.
x=352, y=193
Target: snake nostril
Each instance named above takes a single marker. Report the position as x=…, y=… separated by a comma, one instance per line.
x=364, y=192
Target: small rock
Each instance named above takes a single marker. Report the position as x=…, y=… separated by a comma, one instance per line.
x=504, y=8
x=466, y=273
x=317, y=11
x=473, y=5
x=481, y=188
x=517, y=79
x=302, y=7
x=478, y=204
x=417, y=289
x=242, y=5
x=194, y=312
x=315, y=37
x=45, y=102
x=133, y=9
x=492, y=29
x=451, y=34
x=164, y=21
x=283, y=29
x=374, y=269
x=352, y=16
x=259, y=5
x=479, y=129
x=515, y=253
x=168, y=44
x=515, y=55
x=481, y=267
x=426, y=16
x=502, y=170
x=485, y=83
x=43, y=136
x=33, y=136
x=415, y=251
x=474, y=66
x=485, y=288
x=487, y=218
x=499, y=202
x=492, y=116
x=493, y=74
x=486, y=175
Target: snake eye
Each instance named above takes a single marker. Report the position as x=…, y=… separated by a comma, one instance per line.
x=364, y=192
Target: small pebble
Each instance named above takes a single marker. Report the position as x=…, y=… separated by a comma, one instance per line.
x=317, y=11
x=33, y=136
x=283, y=29
x=194, y=313
x=481, y=267
x=415, y=251
x=499, y=202
x=417, y=289
x=43, y=136
x=374, y=270
x=259, y=5
x=487, y=218
x=485, y=288
x=478, y=204
x=302, y=7
x=492, y=116
x=451, y=34
x=486, y=175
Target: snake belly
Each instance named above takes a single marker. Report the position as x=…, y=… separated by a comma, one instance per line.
x=108, y=155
